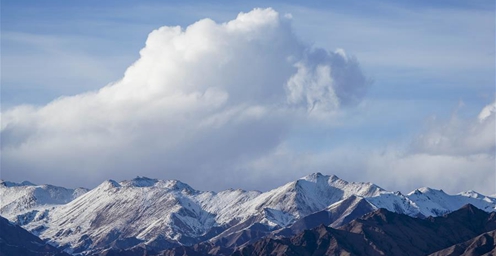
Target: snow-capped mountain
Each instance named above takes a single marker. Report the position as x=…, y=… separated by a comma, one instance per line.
x=25, y=202
x=161, y=214
x=423, y=202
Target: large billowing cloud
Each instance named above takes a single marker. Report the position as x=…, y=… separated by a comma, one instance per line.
x=198, y=104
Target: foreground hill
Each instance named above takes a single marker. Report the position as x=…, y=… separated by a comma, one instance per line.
x=484, y=244
x=14, y=240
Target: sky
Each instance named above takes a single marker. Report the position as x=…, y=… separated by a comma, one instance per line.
x=249, y=95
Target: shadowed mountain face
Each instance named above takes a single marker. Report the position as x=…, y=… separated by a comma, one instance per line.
x=378, y=233
x=14, y=240
x=484, y=244
x=382, y=233
x=335, y=215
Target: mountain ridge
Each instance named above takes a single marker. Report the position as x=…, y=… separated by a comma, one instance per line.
x=162, y=214
x=383, y=233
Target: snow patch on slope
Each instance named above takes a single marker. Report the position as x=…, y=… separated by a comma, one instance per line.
x=27, y=200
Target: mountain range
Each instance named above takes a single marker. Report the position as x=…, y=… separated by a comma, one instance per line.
x=386, y=233
x=166, y=216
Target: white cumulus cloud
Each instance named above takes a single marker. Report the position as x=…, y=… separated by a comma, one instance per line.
x=459, y=136
x=197, y=102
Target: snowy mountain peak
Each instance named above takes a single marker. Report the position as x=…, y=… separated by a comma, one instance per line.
x=108, y=184
x=318, y=177
x=427, y=191
x=177, y=185
x=472, y=194
x=21, y=202
x=313, y=177
x=15, y=184
x=145, y=182
x=424, y=190
x=415, y=192
x=139, y=181
x=333, y=177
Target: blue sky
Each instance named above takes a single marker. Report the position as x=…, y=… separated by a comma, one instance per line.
x=432, y=67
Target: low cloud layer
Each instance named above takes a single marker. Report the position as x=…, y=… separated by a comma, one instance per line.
x=459, y=137
x=197, y=103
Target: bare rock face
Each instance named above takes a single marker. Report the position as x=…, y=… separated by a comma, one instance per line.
x=14, y=240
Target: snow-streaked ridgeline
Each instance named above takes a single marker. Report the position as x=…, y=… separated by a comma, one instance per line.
x=161, y=214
